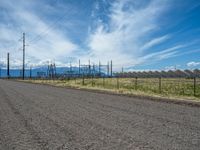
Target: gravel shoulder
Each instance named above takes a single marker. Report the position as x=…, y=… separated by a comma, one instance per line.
x=38, y=117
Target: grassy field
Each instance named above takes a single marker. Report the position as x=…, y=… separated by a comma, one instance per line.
x=167, y=87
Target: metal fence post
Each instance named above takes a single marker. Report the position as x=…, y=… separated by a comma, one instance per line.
x=136, y=83
x=83, y=82
x=103, y=81
x=117, y=82
x=92, y=80
x=160, y=85
x=194, y=86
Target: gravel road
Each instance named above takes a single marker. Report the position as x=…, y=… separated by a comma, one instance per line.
x=40, y=117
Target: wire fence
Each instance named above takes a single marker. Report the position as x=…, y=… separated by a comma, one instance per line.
x=164, y=86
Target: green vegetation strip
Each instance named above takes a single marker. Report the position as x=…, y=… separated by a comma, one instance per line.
x=155, y=87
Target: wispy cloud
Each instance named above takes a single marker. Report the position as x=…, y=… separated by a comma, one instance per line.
x=162, y=54
x=175, y=67
x=128, y=32
x=120, y=38
x=193, y=64
x=51, y=44
x=156, y=56
x=155, y=41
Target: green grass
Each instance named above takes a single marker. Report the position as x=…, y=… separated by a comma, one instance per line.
x=167, y=87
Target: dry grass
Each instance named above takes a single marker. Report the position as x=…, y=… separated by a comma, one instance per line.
x=170, y=88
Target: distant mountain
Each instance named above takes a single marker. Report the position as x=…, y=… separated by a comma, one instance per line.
x=18, y=72
x=42, y=70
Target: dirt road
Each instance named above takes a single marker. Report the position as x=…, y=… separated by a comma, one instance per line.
x=42, y=117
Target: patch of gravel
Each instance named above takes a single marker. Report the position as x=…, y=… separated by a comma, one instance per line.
x=43, y=117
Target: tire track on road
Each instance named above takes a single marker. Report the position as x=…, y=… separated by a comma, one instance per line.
x=98, y=130
x=24, y=122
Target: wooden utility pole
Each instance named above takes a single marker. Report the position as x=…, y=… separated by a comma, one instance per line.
x=111, y=67
x=8, y=65
x=108, y=69
x=48, y=71
x=54, y=66
x=70, y=68
x=23, y=69
x=79, y=65
x=99, y=68
x=30, y=72
x=89, y=68
x=93, y=70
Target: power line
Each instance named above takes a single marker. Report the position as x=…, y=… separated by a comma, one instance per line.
x=15, y=23
x=45, y=32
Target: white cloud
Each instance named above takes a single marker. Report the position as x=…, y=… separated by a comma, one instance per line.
x=121, y=39
x=154, y=42
x=166, y=53
x=193, y=64
x=126, y=38
x=175, y=67
x=14, y=63
x=50, y=44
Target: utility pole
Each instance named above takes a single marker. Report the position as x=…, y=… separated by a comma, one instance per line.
x=93, y=69
x=48, y=71
x=111, y=68
x=89, y=67
x=54, y=69
x=8, y=65
x=108, y=69
x=23, y=69
x=70, y=70
x=30, y=72
x=79, y=65
x=99, y=68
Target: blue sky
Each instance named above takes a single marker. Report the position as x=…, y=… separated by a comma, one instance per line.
x=135, y=34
